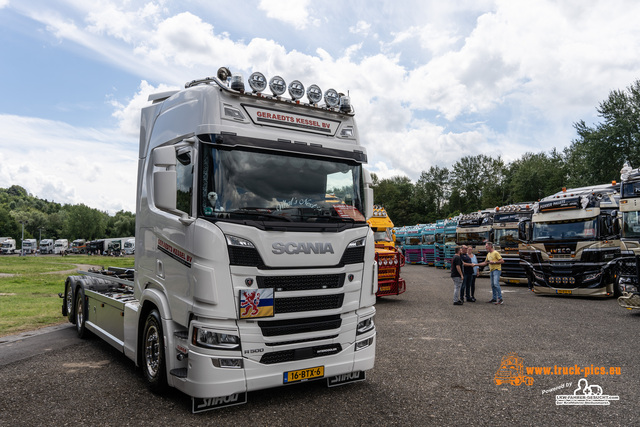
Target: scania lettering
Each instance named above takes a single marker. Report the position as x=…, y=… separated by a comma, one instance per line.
x=572, y=241
x=306, y=248
x=254, y=263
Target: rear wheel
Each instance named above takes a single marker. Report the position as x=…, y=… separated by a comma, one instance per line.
x=81, y=314
x=153, y=357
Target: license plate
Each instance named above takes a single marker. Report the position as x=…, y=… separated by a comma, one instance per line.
x=303, y=375
x=563, y=291
x=513, y=281
x=385, y=288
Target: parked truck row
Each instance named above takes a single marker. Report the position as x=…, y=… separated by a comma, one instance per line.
x=111, y=246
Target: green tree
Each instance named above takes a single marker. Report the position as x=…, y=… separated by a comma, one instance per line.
x=535, y=176
x=479, y=183
x=396, y=195
x=597, y=155
x=434, y=189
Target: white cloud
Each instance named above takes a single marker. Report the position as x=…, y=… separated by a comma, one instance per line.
x=361, y=27
x=292, y=12
x=497, y=78
x=60, y=163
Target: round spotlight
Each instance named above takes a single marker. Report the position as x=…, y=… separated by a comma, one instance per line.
x=223, y=74
x=296, y=90
x=331, y=98
x=277, y=85
x=257, y=82
x=314, y=94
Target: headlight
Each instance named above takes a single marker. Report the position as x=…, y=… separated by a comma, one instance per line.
x=358, y=243
x=365, y=326
x=592, y=276
x=210, y=339
x=238, y=241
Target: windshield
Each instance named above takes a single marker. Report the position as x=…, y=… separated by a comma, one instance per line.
x=382, y=236
x=507, y=238
x=267, y=186
x=7, y=245
x=413, y=240
x=428, y=239
x=631, y=222
x=565, y=230
x=450, y=238
x=473, y=237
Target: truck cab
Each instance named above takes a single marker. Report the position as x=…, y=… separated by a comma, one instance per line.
x=388, y=257
x=627, y=272
x=247, y=276
x=572, y=242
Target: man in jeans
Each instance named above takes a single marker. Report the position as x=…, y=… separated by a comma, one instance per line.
x=456, y=276
x=495, y=261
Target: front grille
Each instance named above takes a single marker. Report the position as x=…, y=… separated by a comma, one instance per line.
x=301, y=283
x=353, y=256
x=299, y=326
x=246, y=257
x=300, y=354
x=321, y=302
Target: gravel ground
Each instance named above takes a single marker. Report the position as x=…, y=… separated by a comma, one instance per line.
x=435, y=365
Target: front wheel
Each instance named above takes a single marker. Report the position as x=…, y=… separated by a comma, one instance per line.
x=153, y=357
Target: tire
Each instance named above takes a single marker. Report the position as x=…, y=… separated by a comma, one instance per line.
x=68, y=307
x=153, y=356
x=81, y=314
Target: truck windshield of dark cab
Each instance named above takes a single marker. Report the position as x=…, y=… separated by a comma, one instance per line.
x=244, y=184
x=570, y=230
x=631, y=228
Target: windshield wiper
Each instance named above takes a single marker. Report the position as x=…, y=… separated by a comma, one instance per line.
x=256, y=212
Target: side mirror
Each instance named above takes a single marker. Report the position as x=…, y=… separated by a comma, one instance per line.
x=165, y=180
x=524, y=231
x=368, y=194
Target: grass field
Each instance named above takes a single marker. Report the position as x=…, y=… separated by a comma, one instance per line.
x=29, y=288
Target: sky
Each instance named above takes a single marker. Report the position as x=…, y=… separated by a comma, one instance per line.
x=431, y=81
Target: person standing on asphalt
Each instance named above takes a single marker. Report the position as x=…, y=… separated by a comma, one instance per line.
x=476, y=269
x=456, y=275
x=495, y=261
x=467, y=269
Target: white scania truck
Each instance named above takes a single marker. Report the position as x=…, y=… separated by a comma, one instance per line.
x=247, y=275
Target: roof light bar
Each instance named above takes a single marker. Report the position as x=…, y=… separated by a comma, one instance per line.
x=257, y=82
x=331, y=98
x=314, y=94
x=277, y=85
x=296, y=90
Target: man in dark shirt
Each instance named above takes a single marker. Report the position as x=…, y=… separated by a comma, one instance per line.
x=467, y=270
x=456, y=275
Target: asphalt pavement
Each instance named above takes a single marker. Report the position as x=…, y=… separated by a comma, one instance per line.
x=436, y=364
